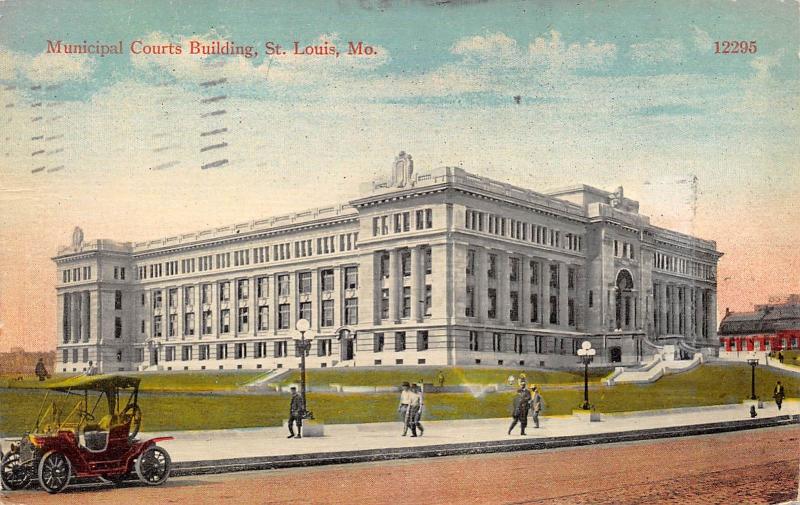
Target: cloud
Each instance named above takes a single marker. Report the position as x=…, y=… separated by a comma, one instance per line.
x=657, y=51
x=44, y=68
x=702, y=40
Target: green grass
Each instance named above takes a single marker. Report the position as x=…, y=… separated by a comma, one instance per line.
x=169, y=381
x=394, y=376
x=707, y=385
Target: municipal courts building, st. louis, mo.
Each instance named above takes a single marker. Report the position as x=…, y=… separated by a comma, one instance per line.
x=439, y=267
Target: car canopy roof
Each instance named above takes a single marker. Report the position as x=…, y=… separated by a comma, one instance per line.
x=95, y=383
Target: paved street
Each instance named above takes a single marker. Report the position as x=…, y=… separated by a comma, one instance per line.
x=756, y=466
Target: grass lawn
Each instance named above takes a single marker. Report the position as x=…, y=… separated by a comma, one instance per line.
x=376, y=376
x=706, y=385
x=169, y=381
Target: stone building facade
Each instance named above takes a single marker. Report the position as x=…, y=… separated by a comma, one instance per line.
x=436, y=268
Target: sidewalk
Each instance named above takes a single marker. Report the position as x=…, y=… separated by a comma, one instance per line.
x=217, y=451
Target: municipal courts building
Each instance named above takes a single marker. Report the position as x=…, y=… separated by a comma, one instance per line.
x=438, y=267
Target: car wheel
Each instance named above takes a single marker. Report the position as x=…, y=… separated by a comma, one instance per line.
x=153, y=465
x=13, y=475
x=55, y=471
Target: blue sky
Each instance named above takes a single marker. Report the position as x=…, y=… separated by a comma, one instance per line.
x=610, y=93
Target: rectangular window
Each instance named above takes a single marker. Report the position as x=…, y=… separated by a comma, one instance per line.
x=377, y=342
x=497, y=342
x=324, y=347
x=283, y=285
x=351, y=277
x=203, y=352
x=406, y=302
x=327, y=313
x=534, y=273
x=384, y=304
x=474, y=342
x=262, y=287
x=186, y=353
x=492, y=271
x=492, y=313
x=304, y=283
x=169, y=353
x=243, y=323
x=571, y=311
x=205, y=294
x=224, y=321
x=188, y=324
x=571, y=275
x=422, y=340
x=534, y=308
x=513, y=269
x=241, y=350
x=385, y=268
x=222, y=351
x=305, y=311
x=554, y=282
x=242, y=289
x=188, y=295
x=399, y=341
x=284, y=316
x=263, y=317
x=157, y=299
x=157, y=332
x=117, y=300
x=405, y=263
x=207, y=322
x=553, y=309
x=351, y=310
x=428, y=299
x=117, y=327
x=513, y=312
x=281, y=349
x=224, y=291
x=427, y=260
x=326, y=278
x=470, y=262
x=469, y=306
x=260, y=350
x=172, y=298
x=518, y=344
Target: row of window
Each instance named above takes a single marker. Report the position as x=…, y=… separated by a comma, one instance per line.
x=283, y=251
x=669, y=263
x=623, y=250
x=522, y=344
x=74, y=306
x=405, y=308
x=78, y=273
x=514, y=307
x=379, y=341
x=84, y=355
x=242, y=350
x=304, y=311
x=520, y=230
x=405, y=262
x=514, y=274
x=401, y=222
x=304, y=285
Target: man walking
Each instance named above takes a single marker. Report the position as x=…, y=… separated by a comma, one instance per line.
x=536, y=405
x=440, y=379
x=405, y=402
x=417, y=405
x=296, y=410
x=41, y=370
x=522, y=403
x=779, y=394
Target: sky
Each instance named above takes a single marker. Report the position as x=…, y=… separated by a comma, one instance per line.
x=610, y=93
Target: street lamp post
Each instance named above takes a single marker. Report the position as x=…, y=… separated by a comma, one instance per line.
x=753, y=362
x=586, y=354
x=302, y=326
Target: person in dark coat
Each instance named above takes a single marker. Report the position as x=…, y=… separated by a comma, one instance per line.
x=41, y=370
x=296, y=410
x=521, y=405
x=779, y=394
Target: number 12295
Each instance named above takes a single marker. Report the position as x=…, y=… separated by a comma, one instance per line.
x=735, y=47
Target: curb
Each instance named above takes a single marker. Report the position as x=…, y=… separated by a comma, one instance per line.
x=459, y=449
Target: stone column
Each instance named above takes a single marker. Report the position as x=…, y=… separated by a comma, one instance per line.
x=338, y=297
x=396, y=286
x=85, y=307
x=525, y=292
x=563, y=294
x=712, y=314
x=75, y=316
x=698, y=304
x=662, y=308
x=417, y=294
x=545, y=302
x=253, y=283
x=481, y=283
x=503, y=288
x=315, y=299
x=690, y=311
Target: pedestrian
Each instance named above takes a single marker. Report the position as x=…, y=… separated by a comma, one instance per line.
x=779, y=394
x=536, y=405
x=405, y=402
x=41, y=370
x=296, y=410
x=440, y=379
x=523, y=380
x=521, y=404
x=417, y=409
x=91, y=370
x=510, y=381
x=780, y=357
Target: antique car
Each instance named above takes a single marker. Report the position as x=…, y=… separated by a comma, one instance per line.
x=86, y=428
